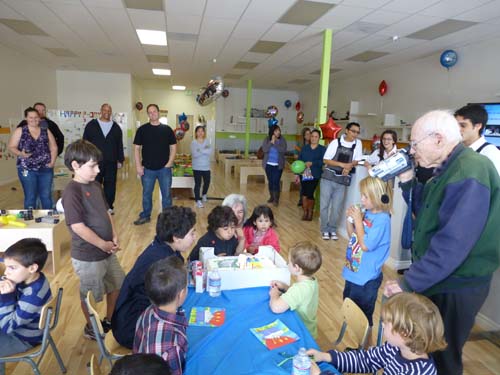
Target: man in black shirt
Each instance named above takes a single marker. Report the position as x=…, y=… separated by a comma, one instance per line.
x=155, y=143
x=107, y=136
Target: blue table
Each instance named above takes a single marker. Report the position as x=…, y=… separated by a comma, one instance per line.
x=232, y=349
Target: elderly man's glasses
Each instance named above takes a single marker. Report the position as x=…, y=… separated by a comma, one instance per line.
x=413, y=144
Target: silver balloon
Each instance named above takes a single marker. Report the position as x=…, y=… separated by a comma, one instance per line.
x=211, y=92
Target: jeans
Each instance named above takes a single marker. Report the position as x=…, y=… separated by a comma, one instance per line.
x=37, y=184
x=10, y=344
x=273, y=174
x=331, y=200
x=164, y=177
x=365, y=296
x=107, y=177
x=198, y=176
x=458, y=309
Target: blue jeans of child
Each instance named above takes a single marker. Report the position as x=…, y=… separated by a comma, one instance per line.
x=164, y=177
x=37, y=184
x=273, y=174
x=10, y=344
x=365, y=296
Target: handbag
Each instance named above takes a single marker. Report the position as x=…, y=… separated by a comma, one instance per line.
x=330, y=175
x=260, y=153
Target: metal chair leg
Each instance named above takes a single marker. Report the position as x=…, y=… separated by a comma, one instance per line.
x=57, y=355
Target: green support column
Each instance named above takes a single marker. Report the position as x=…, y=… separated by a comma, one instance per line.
x=249, y=108
x=325, y=76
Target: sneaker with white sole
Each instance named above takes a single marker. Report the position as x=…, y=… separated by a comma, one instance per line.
x=204, y=198
x=199, y=204
x=334, y=236
x=325, y=236
x=88, y=333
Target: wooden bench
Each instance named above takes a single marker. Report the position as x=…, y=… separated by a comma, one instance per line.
x=287, y=178
x=246, y=171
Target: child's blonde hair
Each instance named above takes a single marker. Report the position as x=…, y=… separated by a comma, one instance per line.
x=417, y=320
x=379, y=193
x=307, y=256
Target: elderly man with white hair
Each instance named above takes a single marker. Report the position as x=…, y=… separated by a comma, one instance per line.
x=456, y=241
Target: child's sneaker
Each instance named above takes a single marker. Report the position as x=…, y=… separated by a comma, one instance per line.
x=199, y=204
x=334, y=236
x=325, y=236
x=88, y=333
x=204, y=198
x=106, y=325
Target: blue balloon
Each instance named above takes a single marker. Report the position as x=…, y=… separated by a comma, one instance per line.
x=182, y=117
x=272, y=121
x=288, y=103
x=448, y=58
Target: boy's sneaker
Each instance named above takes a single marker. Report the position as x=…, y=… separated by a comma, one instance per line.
x=142, y=220
x=334, y=236
x=88, y=333
x=204, y=198
x=325, y=236
x=106, y=325
x=199, y=204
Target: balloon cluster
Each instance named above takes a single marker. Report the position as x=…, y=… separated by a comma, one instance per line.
x=271, y=113
x=211, y=92
x=183, y=127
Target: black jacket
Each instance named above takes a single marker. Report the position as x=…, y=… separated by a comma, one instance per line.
x=56, y=132
x=111, y=146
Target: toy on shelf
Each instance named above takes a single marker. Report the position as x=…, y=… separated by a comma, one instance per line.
x=11, y=220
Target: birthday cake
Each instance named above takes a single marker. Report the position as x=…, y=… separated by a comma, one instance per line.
x=240, y=262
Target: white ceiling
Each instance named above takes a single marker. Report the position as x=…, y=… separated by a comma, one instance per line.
x=101, y=35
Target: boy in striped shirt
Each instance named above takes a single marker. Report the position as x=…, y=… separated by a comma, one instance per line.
x=413, y=328
x=24, y=290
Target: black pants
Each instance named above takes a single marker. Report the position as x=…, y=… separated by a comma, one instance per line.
x=198, y=176
x=107, y=177
x=458, y=310
x=308, y=187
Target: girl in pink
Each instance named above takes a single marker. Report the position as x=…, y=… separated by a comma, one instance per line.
x=258, y=230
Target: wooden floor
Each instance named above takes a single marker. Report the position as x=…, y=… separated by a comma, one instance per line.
x=480, y=357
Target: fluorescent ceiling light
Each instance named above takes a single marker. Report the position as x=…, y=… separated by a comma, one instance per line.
x=161, y=72
x=152, y=37
x=178, y=88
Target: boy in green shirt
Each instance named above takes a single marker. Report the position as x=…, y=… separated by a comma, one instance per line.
x=303, y=262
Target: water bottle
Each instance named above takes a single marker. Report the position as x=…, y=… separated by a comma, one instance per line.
x=391, y=167
x=214, y=283
x=301, y=363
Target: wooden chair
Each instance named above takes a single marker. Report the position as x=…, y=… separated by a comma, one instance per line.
x=355, y=321
x=49, y=317
x=2, y=269
x=95, y=369
x=108, y=346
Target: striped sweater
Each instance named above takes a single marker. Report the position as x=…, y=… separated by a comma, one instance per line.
x=20, y=310
x=385, y=357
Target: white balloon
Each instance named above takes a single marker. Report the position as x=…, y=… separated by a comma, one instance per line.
x=59, y=206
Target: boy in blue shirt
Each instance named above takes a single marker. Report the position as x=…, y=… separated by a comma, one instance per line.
x=24, y=290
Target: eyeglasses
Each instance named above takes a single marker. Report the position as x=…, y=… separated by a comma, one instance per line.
x=354, y=131
x=413, y=144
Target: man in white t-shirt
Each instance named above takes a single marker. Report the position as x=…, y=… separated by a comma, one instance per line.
x=341, y=156
x=472, y=120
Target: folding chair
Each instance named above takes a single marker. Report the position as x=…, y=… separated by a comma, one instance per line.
x=108, y=346
x=49, y=317
x=94, y=366
x=355, y=321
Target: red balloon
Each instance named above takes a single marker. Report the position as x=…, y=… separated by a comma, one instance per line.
x=300, y=117
x=382, y=88
x=225, y=93
x=330, y=129
x=138, y=106
x=298, y=106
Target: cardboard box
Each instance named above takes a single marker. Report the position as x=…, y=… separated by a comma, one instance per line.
x=250, y=278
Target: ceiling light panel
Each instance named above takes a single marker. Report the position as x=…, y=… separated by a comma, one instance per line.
x=367, y=56
x=178, y=88
x=161, y=72
x=305, y=12
x=23, y=27
x=256, y=57
x=233, y=76
x=440, y=29
x=157, y=59
x=152, y=37
x=245, y=65
x=263, y=46
x=144, y=4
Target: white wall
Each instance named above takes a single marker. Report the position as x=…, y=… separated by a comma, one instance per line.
x=87, y=91
x=417, y=87
x=23, y=83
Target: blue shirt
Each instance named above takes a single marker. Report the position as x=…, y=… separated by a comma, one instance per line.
x=363, y=266
x=273, y=156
